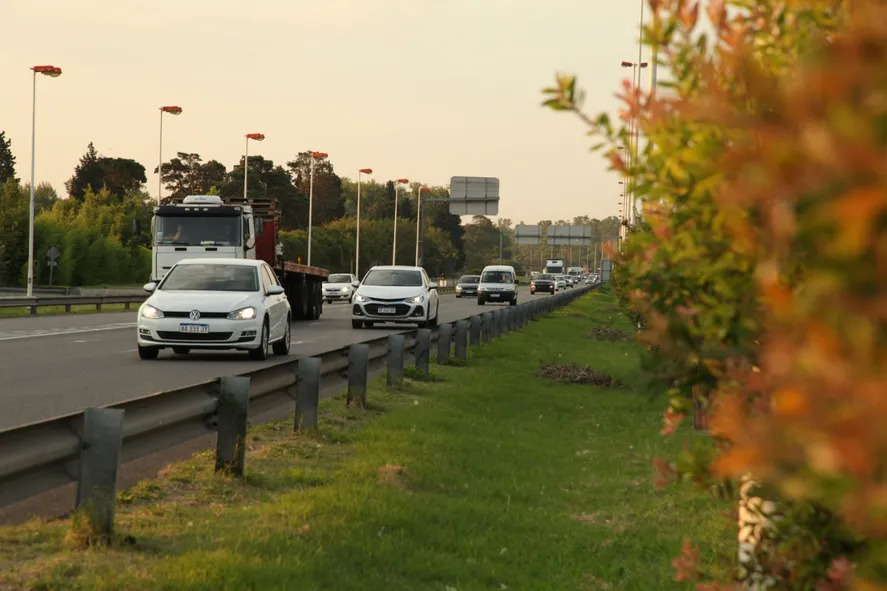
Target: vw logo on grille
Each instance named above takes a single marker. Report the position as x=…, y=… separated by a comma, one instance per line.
x=194, y=315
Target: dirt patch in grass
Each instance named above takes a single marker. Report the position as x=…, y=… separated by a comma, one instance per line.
x=570, y=373
x=607, y=333
x=393, y=475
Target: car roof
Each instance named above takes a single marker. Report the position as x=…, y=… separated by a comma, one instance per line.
x=498, y=268
x=222, y=261
x=395, y=268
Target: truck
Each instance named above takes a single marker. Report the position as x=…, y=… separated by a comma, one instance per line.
x=576, y=273
x=208, y=226
x=554, y=266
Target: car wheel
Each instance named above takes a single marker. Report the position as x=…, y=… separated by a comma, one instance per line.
x=282, y=347
x=357, y=324
x=514, y=301
x=260, y=353
x=369, y=324
x=181, y=350
x=433, y=321
x=148, y=352
x=458, y=296
x=480, y=301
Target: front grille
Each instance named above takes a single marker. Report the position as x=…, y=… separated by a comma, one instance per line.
x=400, y=309
x=202, y=314
x=169, y=335
x=385, y=300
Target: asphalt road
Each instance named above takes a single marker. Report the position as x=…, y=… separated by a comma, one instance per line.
x=56, y=365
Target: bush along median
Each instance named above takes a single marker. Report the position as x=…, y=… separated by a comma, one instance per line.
x=528, y=467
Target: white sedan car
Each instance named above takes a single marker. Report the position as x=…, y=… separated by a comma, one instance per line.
x=395, y=294
x=215, y=304
x=338, y=287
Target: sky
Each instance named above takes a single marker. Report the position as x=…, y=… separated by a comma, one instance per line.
x=422, y=89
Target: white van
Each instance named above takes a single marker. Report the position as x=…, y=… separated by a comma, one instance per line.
x=498, y=283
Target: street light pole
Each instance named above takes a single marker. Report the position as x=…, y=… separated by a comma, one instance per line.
x=357, y=245
x=250, y=136
x=394, y=244
x=419, y=192
x=52, y=72
x=172, y=110
x=314, y=156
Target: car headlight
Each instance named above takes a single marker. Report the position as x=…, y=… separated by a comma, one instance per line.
x=149, y=311
x=345, y=289
x=243, y=314
x=458, y=288
x=419, y=298
x=361, y=298
x=480, y=289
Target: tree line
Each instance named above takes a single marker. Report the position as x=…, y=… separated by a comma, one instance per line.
x=107, y=204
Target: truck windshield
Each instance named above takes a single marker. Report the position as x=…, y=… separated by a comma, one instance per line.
x=197, y=231
x=339, y=278
x=211, y=277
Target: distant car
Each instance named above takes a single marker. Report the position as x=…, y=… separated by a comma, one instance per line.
x=543, y=282
x=497, y=284
x=560, y=282
x=397, y=294
x=467, y=285
x=215, y=304
x=338, y=287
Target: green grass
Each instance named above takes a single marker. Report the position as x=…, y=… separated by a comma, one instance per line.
x=485, y=477
x=55, y=310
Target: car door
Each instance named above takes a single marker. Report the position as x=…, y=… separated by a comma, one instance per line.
x=432, y=296
x=274, y=303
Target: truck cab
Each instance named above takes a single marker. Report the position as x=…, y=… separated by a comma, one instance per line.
x=200, y=226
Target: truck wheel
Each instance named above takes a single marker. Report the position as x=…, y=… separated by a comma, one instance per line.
x=318, y=299
x=302, y=304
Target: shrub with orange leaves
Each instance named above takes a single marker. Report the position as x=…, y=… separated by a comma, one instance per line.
x=761, y=269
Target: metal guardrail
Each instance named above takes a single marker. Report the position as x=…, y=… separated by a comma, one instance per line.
x=40, y=457
x=67, y=301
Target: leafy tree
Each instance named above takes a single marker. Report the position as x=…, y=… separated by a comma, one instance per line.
x=120, y=175
x=87, y=175
x=328, y=202
x=13, y=231
x=7, y=159
x=187, y=174
x=268, y=181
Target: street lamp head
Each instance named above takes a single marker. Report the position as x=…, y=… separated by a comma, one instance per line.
x=424, y=190
x=51, y=71
x=627, y=64
x=643, y=64
x=403, y=181
x=366, y=170
x=255, y=136
x=319, y=154
x=172, y=110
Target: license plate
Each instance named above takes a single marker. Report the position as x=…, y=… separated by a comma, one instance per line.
x=387, y=310
x=494, y=295
x=194, y=328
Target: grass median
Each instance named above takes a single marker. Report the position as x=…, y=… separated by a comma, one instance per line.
x=510, y=472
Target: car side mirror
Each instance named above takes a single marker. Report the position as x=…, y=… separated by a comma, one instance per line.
x=355, y=284
x=432, y=285
x=275, y=290
x=150, y=287
x=250, y=243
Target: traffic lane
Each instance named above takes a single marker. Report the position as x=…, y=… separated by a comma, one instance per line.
x=31, y=325
x=45, y=377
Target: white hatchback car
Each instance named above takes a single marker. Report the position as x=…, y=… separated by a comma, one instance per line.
x=338, y=287
x=395, y=294
x=215, y=304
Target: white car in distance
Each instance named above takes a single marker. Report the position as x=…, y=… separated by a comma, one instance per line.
x=215, y=304
x=398, y=294
x=338, y=287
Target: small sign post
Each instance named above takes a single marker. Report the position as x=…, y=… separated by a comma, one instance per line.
x=52, y=256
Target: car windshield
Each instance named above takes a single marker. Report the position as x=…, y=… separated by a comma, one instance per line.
x=469, y=279
x=543, y=277
x=211, y=277
x=339, y=278
x=392, y=277
x=496, y=277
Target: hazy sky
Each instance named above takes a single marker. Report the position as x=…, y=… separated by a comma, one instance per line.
x=423, y=89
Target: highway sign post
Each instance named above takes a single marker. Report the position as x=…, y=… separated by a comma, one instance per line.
x=52, y=256
x=474, y=195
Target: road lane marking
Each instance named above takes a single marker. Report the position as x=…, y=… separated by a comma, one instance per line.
x=63, y=332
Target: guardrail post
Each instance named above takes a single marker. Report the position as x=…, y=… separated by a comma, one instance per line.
x=33, y=310
x=494, y=324
x=99, y=462
x=307, y=393
x=487, y=327
x=444, y=338
x=475, y=330
x=98, y=306
x=461, y=340
x=358, y=368
x=395, y=359
x=503, y=325
x=422, y=350
x=67, y=307
x=232, y=413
